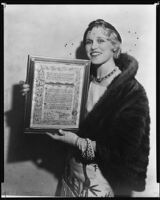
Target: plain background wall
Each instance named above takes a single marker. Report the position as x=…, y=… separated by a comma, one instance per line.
x=33, y=163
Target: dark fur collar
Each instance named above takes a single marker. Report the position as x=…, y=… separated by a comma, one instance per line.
x=129, y=66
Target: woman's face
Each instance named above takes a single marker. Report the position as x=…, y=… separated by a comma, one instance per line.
x=99, y=50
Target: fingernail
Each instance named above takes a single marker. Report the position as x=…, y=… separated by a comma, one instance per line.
x=61, y=132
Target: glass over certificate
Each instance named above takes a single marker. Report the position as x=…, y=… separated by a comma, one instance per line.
x=58, y=93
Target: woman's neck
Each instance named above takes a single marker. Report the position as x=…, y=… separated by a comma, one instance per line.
x=105, y=68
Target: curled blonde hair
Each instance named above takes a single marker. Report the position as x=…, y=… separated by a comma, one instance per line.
x=112, y=37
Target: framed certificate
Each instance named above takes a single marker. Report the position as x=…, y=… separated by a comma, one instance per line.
x=58, y=94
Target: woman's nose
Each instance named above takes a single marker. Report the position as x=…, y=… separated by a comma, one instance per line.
x=94, y=45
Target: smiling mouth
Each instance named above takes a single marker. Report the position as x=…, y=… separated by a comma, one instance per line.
x=94, y=54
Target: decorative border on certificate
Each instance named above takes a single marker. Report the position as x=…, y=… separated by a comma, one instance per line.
x=58, y=93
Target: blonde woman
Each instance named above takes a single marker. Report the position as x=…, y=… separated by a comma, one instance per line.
x=109, y=154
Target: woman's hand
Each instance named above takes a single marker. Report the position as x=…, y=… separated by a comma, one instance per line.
x=64, y=136
x=24, y=87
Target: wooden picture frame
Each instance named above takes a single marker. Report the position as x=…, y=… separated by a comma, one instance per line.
x=58, y=94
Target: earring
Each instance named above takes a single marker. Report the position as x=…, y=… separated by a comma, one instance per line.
x=117, y=53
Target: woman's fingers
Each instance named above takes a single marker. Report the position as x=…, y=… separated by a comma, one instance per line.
x=21, y=82
x=53, y=135
x=24, y=87
x=56, y=135
x=61, y=132
x=24, y=91
x=50, y=134
x=64, y=136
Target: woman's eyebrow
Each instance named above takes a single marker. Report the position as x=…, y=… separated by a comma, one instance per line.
x=99, y=37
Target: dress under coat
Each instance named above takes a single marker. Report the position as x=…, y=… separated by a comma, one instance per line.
x=120, y=125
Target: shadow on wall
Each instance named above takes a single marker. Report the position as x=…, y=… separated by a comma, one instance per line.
x=81, y=53
x=43, y=151
x=40, y=149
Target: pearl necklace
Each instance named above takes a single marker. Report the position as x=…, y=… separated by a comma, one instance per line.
x=107, y=76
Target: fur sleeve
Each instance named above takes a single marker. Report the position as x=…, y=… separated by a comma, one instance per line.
x=127, y=133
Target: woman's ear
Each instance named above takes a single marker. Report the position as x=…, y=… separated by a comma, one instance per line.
x=117, y=53
x=115, y=47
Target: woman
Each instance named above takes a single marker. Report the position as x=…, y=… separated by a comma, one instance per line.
x=109, y=154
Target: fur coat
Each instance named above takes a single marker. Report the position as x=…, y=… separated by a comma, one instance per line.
x=120, y=125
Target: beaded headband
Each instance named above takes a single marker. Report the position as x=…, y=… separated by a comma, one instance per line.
x=100, y=22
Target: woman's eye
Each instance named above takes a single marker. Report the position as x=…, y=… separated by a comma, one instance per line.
x=100, y=40
x=88, y=42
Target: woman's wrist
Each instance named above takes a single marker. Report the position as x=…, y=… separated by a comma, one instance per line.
x=81, y=143
x=87, y=147
x=94, y=145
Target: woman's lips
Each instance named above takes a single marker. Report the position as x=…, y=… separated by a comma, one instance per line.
x=95, y=53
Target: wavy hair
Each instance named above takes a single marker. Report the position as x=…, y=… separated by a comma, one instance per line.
x=112, y=35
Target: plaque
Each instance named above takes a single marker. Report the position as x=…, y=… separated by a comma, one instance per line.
x=58, y=94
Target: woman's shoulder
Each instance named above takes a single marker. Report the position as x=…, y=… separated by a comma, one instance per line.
x=137, y=86
x=135, y=92
x=134, y=85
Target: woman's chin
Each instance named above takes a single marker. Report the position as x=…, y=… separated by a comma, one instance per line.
x=96, y=62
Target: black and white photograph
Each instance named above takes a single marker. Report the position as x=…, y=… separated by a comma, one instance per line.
x=59, y=94
x=112, y=150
